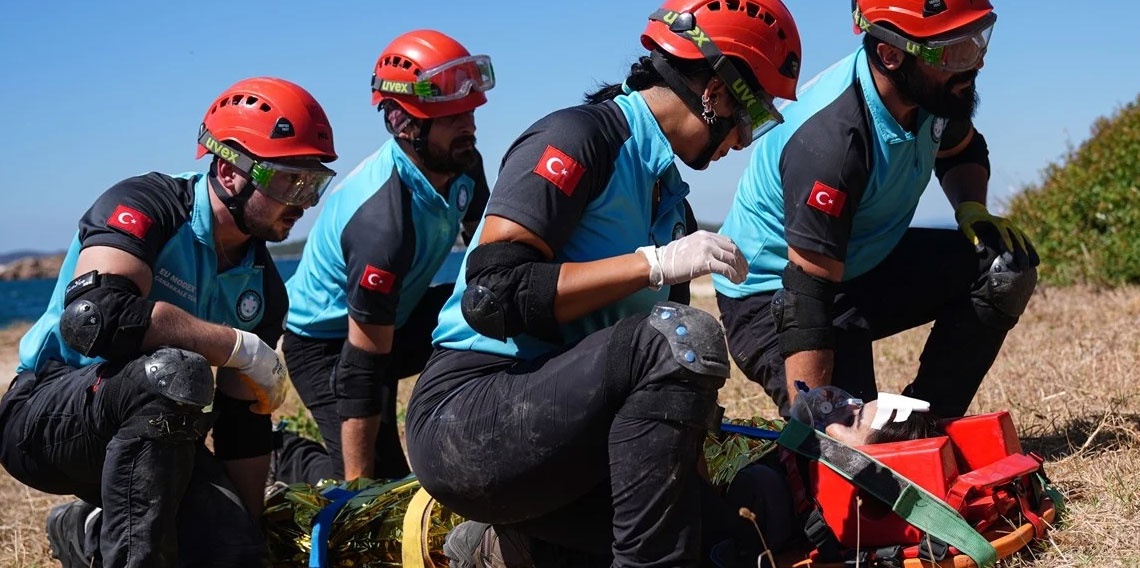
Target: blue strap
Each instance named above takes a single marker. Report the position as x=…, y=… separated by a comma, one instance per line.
x=749, y=431
x=322, y=525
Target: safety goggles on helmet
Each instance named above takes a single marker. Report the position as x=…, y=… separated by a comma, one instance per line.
x=958, y=52
x=756, y=113
x=291, y=185
x=448, y=82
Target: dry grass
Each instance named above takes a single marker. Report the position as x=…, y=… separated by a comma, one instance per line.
x=1068, y=374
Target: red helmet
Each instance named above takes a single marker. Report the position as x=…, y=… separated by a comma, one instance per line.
x=431, y=75
x=271, y=118
x=761, y=33
x=922, y=19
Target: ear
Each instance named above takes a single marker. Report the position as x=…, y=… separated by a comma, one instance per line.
x=231, y=178
x=891, y=56
x=410, y=132
x=716, y=90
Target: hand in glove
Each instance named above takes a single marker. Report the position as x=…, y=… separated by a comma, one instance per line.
x=971, y=213
x=692, y=256
x=260, y=369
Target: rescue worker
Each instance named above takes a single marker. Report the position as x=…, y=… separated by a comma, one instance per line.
x=823, y=209
x=568, y=397
x=167, y=277
x=361, y=304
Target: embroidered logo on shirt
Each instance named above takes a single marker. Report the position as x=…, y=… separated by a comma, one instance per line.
x=827, y=199
x=248, y=305
x=129, y=220
x=560, y=169
x=938, y=129
x=377, y=280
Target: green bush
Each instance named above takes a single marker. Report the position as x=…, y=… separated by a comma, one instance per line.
x=1084, y=217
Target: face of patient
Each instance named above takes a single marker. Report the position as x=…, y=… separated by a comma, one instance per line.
x=858, y=431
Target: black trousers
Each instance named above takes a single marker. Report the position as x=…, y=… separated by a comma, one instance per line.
x=311, y=363
x=556, y=447
x=927, y=277
x=103, y=434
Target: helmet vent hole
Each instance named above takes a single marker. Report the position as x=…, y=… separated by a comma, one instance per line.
x=752, y=9
x=780, y=33
x=407, y=64
x=236, y=99
x=396, y=60
x=768, y=19
x=251, y=100
x=223, y=103
x=714, y=6
x=265, y=107
x=733, y=5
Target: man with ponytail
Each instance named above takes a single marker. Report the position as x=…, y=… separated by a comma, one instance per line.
x=824, y=208
x=564, y=408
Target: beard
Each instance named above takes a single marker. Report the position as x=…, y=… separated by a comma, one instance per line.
x=268, y=222
x=457, y=158
x=939, y=99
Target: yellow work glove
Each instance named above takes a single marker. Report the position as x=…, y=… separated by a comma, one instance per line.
x=970, y=213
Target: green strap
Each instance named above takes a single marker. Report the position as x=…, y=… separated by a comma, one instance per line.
x=914, y=504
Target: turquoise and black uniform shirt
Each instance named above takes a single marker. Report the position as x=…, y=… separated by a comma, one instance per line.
x=168, y=223
x=839, y=177
x=383, y=234
x=594, y=182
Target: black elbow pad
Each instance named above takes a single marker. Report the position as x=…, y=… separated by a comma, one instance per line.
x=976, y=152
x=104, y=315
x=802, y=311
x=510, y=291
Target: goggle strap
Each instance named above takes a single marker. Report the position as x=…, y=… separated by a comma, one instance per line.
x=685, y=25
x=239, y=159
x=418, y=89
x=931, y=55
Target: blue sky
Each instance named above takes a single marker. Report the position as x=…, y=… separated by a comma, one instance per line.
x=93, y=92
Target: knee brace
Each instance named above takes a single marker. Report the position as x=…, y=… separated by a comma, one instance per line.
x=1001, y=293
x=696, y=343
x=104, y=316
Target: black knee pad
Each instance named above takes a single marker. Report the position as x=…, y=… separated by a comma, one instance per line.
x=696, y=345
x=1001, y=293
x=182, y=376
x=694, y=336
x=175, y=387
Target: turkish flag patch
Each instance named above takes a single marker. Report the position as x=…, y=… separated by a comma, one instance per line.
x=377, y=280
x=560, y=169
x=827, y=199
x=130, y=221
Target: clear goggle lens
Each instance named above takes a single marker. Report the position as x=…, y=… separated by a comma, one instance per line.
x=456, y=79
x=291, y=185
x=762, y=118
x=962, y=52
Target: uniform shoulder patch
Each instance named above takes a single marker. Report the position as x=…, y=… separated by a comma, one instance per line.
x=560, y=169
x=130, y=221
x=377, y=280
x=827, y=199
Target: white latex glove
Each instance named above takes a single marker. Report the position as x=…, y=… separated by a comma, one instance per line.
x=260, y=369
x=692, y=256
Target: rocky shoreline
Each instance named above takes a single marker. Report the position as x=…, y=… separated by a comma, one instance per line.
x=32, y=267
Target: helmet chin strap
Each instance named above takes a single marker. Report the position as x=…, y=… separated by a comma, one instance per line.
x=719, y=127
x=235, y=204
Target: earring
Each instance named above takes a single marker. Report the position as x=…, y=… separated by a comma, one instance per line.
x=707, y=112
